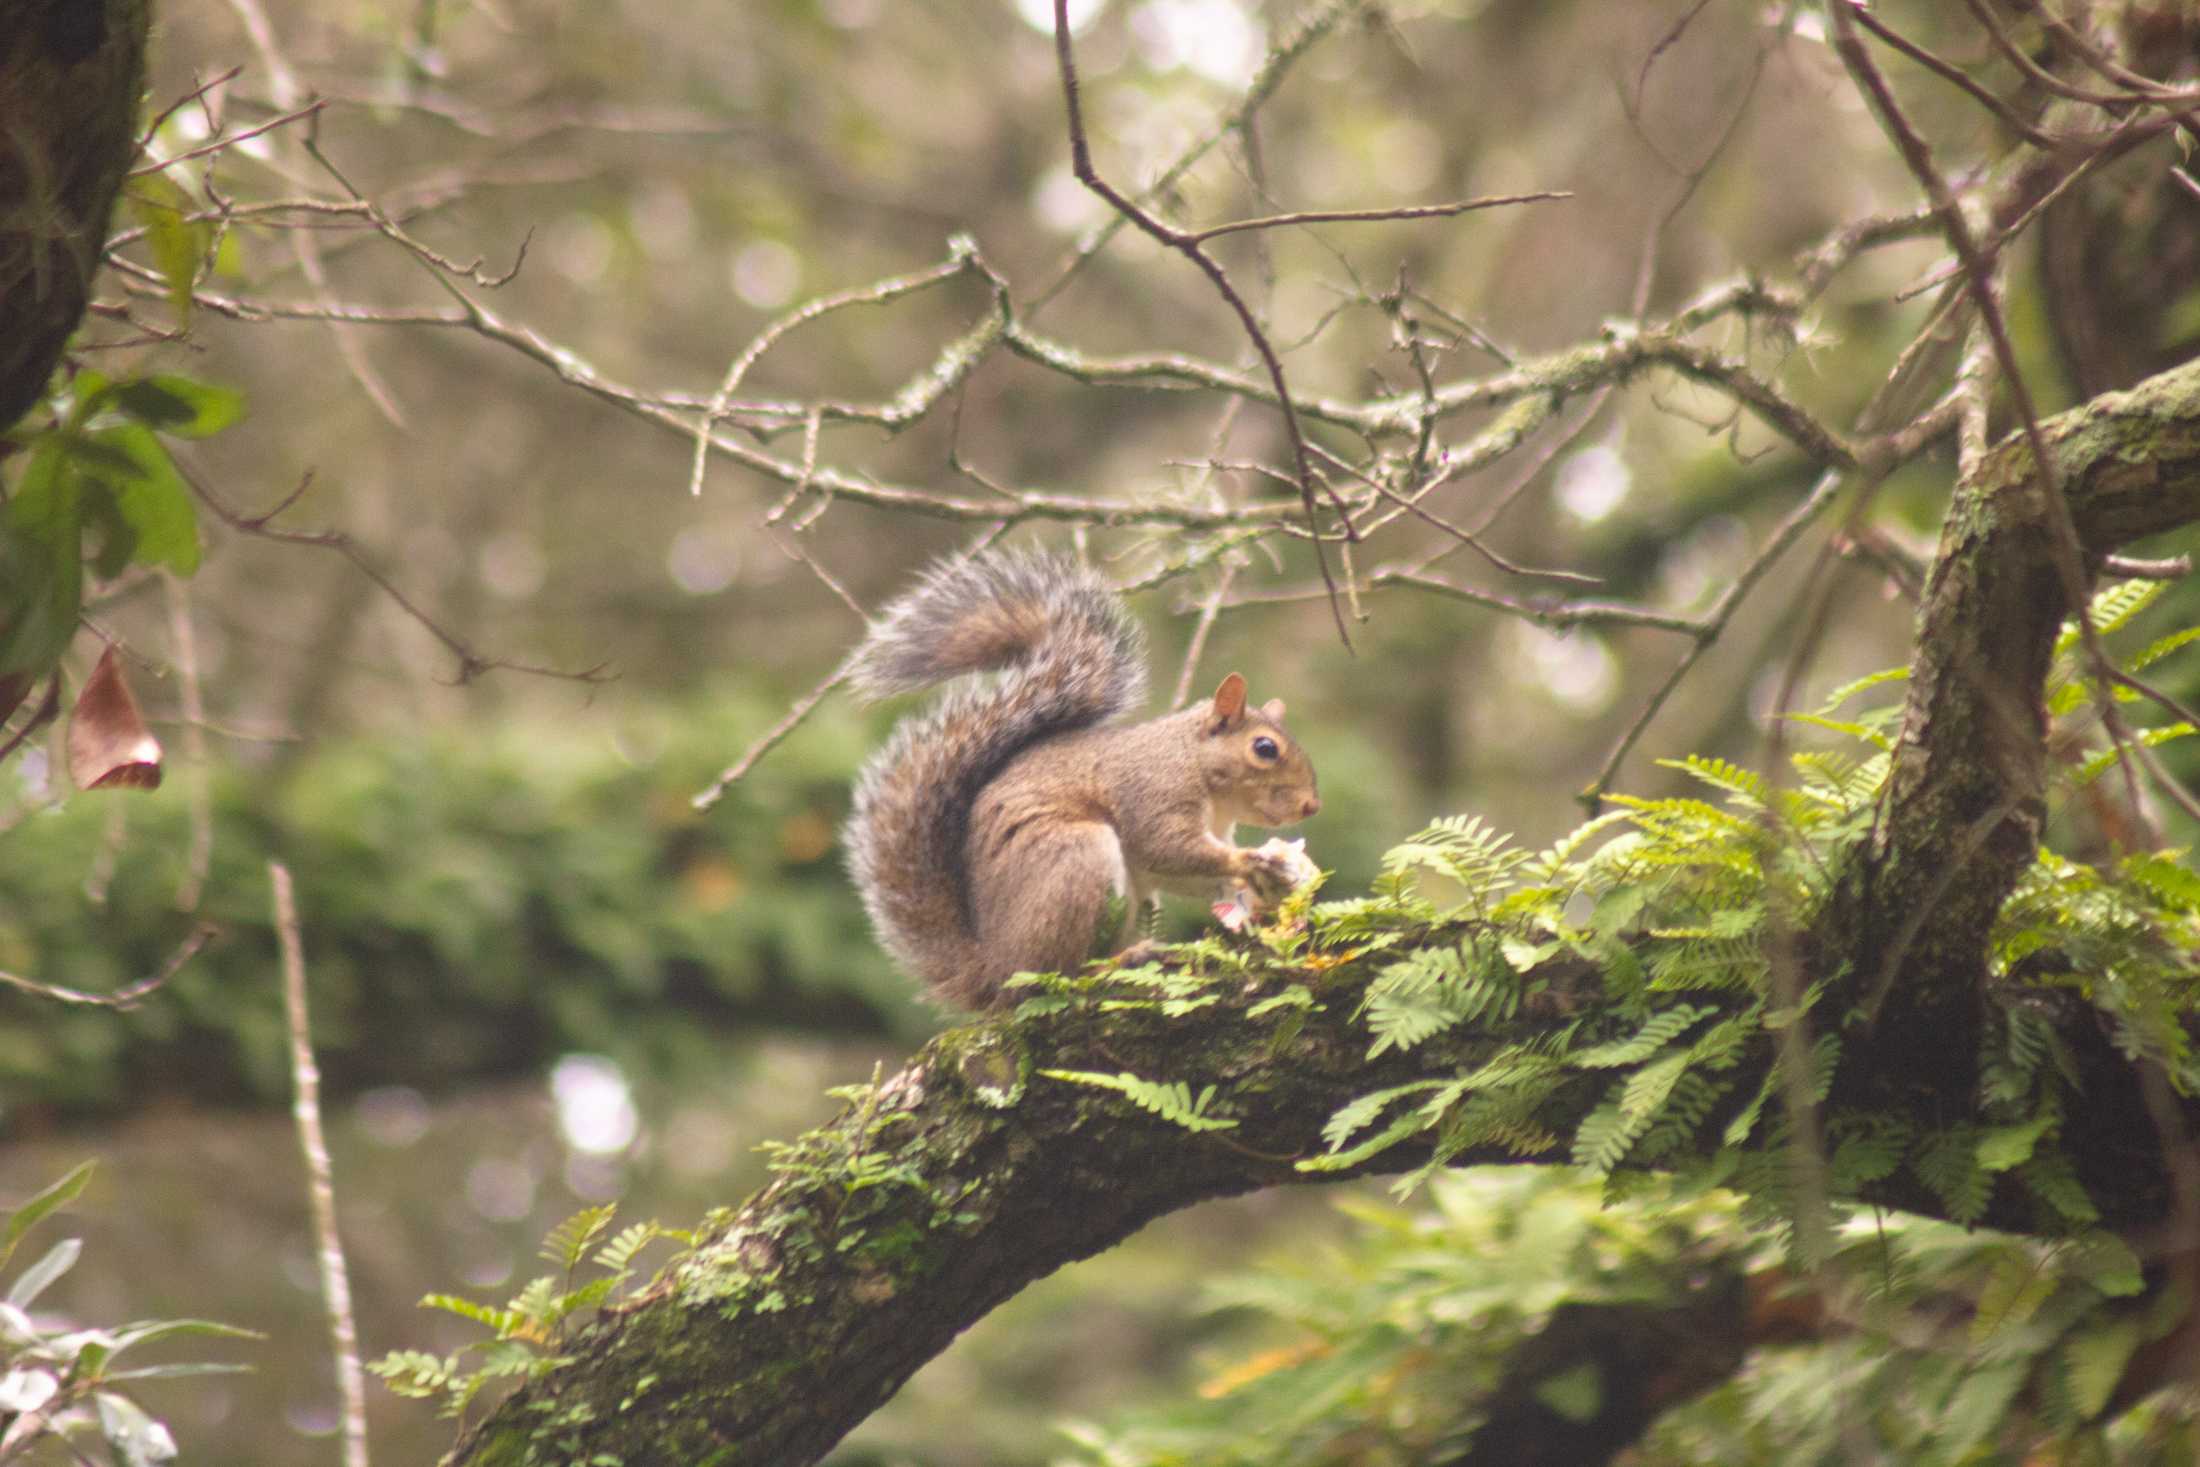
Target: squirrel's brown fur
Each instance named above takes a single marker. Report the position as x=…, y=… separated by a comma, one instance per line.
x=996, y=831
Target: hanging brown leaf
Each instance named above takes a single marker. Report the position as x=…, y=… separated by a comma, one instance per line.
x=109, y=745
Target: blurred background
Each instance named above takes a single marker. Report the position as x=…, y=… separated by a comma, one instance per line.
x=542, y=978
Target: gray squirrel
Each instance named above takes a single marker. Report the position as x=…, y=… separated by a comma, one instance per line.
x=1019, y=824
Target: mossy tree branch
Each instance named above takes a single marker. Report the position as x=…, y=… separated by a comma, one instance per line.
x=949, y=1187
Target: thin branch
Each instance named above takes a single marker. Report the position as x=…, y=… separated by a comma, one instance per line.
x=128, y=997
x=1081, y=164
x=1956, y=76
x=770, y=738
x=1372, y=216
x=471, y=663
x=305, y=1077
x=225, y=141
x=198, y=778
x=1278, y=63
x=2065, y=553
x=1713, y=624
x=1210, y=610
x=963, y=252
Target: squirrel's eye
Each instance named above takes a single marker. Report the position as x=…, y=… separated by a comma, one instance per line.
x=1264, y=747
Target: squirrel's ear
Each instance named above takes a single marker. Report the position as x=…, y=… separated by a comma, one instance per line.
x=1230, y=699
x=1273, y=708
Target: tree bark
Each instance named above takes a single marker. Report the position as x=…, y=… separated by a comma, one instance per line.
x=71, y=72
x=971, y=1173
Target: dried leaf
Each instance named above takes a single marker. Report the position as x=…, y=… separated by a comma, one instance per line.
x=109, y=744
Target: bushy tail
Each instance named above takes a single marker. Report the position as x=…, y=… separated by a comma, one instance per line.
x=1074, y=658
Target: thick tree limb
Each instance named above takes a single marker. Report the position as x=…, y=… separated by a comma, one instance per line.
x=973, y=1172
x=1962, y=812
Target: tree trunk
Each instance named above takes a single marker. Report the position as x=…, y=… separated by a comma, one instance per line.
x=71, y=72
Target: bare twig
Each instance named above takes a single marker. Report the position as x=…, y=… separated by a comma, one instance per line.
x=471, y=663
x=183, y=640
x=963, y=252
x=768, y=740
x=305, y=1077
x=1081, y=164
x=2065, y=553
x=1373, y=216
x=132, y=995
x=227, y=140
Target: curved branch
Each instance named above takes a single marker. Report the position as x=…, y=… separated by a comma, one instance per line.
x=1962, y=811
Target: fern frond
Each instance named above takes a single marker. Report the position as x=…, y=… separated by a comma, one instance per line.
x=1948, y=1164
x=2114, y=605
x=1852, y=728
x=2106, y=759
x=1863, y=684
x=1606, y=1135
x=1438, y=988
x=2160, y=648
x=1356, y=1115
x=1463, y=849
x=1746, y=786
x=1661, y=1029
x=415, y=1373
x=617, y=1256
x=565, y=1245
x=503, y=1323
x=1171, y=1100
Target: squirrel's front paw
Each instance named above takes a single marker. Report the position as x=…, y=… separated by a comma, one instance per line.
x=1268, y=876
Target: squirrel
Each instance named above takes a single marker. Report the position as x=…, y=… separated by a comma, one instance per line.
x=1021, y=825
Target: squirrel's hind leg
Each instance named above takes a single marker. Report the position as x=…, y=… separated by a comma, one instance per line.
x=1068, y=900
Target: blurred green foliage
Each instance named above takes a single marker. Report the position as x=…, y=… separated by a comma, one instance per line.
x=479, y=899
x=1918, y=1342
x=62, y=1385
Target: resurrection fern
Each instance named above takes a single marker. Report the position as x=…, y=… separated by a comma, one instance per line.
x=526, y=1335
x=1393, y=1348
x=2118, y=936
x=1173, y=1101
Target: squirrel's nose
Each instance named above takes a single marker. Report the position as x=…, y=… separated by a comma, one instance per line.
x=1310, y=807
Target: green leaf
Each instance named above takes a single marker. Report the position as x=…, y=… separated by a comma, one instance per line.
x=2017, y=1286
x=1853, y=729
x=1847, y=691
x=32, y=1282
x=2102, y=761
x=152, y=1331
x=180, y=1368
x=181, y=406
x=41, y=562
x=2008, y=1146
x=138, y=1438
x=161, y=206
x=2093, y=1363
x=1576, y=1394
x=2107, y=1263
x=41, y=1205
x=618, y=1255
x=2156, y=650
x=502, y=1322
x=1978, y=1407
x=152, y=497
